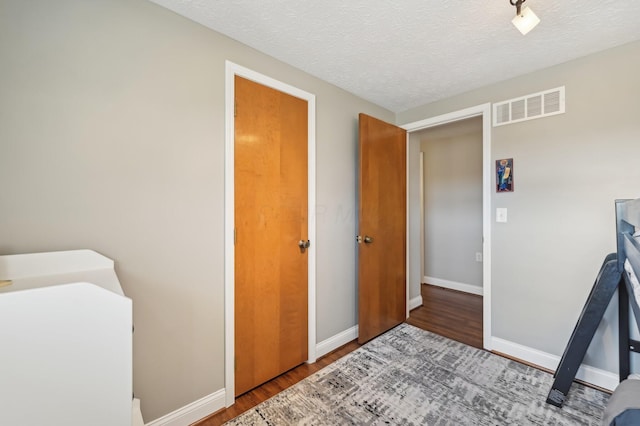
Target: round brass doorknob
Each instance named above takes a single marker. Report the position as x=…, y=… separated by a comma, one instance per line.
x=368, y=239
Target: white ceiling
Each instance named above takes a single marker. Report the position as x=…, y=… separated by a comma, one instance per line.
x=404, y=53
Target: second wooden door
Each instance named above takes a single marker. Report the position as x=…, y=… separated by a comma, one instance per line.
x=382, y=237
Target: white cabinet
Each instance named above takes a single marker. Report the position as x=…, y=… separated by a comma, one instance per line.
x=65, y=341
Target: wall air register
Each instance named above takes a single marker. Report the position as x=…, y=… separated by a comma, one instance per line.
x=530, y=107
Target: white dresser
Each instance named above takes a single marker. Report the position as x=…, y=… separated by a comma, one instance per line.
x=65, y=341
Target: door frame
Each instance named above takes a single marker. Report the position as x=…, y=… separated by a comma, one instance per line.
x=232, y=70
x=483, y=110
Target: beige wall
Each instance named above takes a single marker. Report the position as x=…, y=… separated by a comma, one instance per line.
x=112, y=138
x=453, y=201
x=569, y=169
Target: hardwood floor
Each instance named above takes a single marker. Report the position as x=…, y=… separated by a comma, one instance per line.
x=446, y=312
x=450, y=313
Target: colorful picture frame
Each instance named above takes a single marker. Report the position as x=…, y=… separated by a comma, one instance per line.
x=504, y=175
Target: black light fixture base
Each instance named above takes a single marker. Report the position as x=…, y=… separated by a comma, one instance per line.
x=517, y=4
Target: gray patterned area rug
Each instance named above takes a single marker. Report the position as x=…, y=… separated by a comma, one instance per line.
x=409, y=376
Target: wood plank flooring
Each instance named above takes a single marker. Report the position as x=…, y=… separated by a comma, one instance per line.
x=446, y=312
x=450, y=313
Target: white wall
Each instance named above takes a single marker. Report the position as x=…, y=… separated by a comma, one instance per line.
x=453, y=202
x=569, y=170
x=112, y=138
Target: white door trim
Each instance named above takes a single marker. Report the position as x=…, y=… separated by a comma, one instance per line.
x=422, y=241
x=483, y=110
x=231, y=70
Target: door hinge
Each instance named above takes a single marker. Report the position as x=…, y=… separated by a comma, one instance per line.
x=235, y=109
x=235, y=236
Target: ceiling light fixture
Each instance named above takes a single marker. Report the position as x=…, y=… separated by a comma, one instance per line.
x=525, y=20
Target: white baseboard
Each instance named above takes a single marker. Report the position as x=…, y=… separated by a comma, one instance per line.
x=192, y=412
x=467, y=288
x=334, y=342
x=216, y=401
x=415, y=302
x=595, y=376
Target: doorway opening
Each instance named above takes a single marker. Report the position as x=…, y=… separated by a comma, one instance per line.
x=414, y=264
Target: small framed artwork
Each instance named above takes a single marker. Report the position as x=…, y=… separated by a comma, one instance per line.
x=504, y=175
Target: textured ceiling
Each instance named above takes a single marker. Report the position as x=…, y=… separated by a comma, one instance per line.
x=405, y=53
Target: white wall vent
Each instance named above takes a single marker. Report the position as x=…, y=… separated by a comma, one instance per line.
x=536, y=105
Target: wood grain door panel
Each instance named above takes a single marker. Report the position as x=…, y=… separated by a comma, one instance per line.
x=271, y=311
x=382, y=217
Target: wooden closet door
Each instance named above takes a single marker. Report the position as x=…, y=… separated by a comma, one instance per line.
x=271, y=290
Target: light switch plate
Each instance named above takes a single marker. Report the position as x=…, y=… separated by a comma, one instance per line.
x=501, y=215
